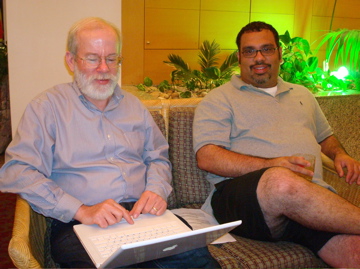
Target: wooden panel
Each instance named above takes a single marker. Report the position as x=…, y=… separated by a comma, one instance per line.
x=347, y=9
x=133, y=41
x=226, y=5
x=323, y=7
x=303, y=16
x=349, y=23
x=175, y=4
x=171, y=29
x=281, y=22
x=222, y=27
x=158, y=71
x=275, y=7
x=319, y=27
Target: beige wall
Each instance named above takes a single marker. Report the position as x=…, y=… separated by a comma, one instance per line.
x=36, y=34
x=152, y=29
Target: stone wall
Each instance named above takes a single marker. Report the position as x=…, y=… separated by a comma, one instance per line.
x=343, y=114
x=5, y=120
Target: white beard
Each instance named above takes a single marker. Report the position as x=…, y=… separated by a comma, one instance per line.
x=97, y=92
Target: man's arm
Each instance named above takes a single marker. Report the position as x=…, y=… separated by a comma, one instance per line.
x=334, y=150
x=226, y=163
x=158, y=172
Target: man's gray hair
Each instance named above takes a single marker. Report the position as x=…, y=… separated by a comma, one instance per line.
x=89, y=23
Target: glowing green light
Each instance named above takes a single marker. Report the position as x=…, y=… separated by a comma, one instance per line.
x=341, y=73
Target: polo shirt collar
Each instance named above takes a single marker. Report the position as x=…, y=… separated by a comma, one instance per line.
x=238, y=83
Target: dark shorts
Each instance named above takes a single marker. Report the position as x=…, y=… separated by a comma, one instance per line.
x=236, y=199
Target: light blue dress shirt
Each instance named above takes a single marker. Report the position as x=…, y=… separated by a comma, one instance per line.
x=67, y=153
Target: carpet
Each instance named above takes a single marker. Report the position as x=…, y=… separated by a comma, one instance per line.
x=7, y=208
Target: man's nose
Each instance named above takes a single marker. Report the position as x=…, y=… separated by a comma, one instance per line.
x=258, y=56
x=103, y=67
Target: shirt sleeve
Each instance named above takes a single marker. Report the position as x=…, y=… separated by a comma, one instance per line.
x=212, y=122
x=28, y=166
x=323, y=128
x=156, y=159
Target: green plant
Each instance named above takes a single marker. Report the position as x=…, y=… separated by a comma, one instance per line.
x=346, y=45
x=300, y=66
x=210, y=75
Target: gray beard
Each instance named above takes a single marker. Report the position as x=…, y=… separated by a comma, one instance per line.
x=97, y=92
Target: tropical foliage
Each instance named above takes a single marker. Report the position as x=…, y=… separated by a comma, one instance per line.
x=345, y=44
x=210, y=74
x=187, y=82
x=302, y=67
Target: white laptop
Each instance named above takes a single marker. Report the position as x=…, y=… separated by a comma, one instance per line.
x=151, y=237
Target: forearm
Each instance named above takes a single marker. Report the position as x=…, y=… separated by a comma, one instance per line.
x=223, y=162
x=332, y=147
x=43, y=194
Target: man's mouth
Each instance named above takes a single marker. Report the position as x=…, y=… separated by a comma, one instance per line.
x=260, y=69
x=102, y=81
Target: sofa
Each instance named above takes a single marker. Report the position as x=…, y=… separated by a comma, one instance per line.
x=29, y=245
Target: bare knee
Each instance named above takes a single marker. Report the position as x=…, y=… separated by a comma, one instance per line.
x=279, y=182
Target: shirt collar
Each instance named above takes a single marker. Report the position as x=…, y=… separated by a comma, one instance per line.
x=238, y=83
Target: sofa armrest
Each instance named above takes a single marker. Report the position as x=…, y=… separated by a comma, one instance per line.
x=348, y=192
x=20, y=246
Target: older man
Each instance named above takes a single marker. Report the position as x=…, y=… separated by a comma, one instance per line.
x=89, y=152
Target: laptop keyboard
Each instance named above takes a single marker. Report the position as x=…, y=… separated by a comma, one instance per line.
x=109, y=243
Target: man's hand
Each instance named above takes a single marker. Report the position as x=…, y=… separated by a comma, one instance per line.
x=149, y=202
x=103, y=214
x=294, y=163
x=352, y=166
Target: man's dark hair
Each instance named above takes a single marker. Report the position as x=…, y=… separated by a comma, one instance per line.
x=257, y=26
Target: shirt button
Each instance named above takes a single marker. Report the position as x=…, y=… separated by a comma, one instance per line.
x=109, y=136
x=111, y=159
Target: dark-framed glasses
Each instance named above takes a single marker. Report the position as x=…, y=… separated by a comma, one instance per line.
x=251, y=53
x=93, y=61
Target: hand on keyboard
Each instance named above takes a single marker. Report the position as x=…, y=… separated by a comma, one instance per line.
x=103, y=214
x=149, y=202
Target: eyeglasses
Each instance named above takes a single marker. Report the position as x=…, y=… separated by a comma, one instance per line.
x=93, y=61
x=251, y=53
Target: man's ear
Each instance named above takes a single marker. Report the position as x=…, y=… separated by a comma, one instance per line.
x=238, y=54
x=280, y=54
x=70, y=60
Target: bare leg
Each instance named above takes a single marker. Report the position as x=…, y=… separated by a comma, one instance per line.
x=342, y=251
x=282, y=194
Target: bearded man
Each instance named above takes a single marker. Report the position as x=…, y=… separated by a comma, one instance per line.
x=89, y=152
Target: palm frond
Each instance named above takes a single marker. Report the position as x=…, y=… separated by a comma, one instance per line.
x=207, y=55
x=230, y=62
x=344, y=44
x=178, y=62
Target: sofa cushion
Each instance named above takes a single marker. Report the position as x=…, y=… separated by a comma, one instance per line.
x=259, y=254
x=160, y=121
x=190, y=184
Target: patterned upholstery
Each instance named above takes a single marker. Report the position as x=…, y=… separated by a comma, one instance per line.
x=189, y=181
x=27, y=248
x=160, y=121
x=257, y=254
